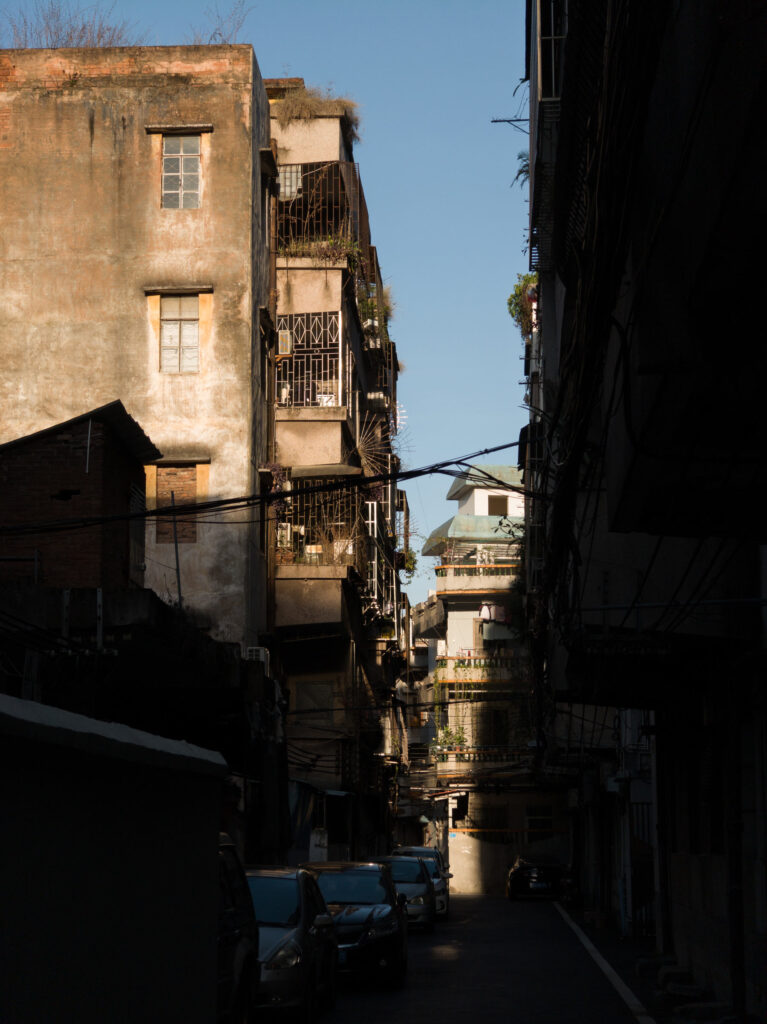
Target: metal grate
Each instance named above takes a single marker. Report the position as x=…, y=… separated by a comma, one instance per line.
x=322, y=204
x=310, y=376
x=322, y=528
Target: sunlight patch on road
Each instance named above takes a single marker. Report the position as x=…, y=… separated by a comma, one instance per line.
x=445, y=952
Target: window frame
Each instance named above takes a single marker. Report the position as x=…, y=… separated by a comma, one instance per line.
x=179, y=321
x=186, y=154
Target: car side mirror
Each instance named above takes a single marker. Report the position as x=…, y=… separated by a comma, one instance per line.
x=402, y=899
x=323, y=921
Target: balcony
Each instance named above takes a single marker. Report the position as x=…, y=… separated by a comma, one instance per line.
x=478, y=668
x=479, y=579
x=322, y=528
x=322, y=212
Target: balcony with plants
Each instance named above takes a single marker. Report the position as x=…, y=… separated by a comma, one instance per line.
x=321, y=526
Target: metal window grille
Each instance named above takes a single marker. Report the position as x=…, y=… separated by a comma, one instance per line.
x=322, y=203
x=181, y=172
x=322, y=528
x=310, y=376
x=179, y=333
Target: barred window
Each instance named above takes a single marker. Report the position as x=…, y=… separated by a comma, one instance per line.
x=308, y=363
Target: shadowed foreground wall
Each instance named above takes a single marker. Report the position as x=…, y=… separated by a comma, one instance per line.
x=108, y=872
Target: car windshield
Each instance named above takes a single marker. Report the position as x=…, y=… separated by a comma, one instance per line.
x=275, y=900
x=352, y=887
x=406, y=871
x=430, y=859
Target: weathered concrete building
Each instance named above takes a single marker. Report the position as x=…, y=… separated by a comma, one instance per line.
x=337, y=595
x=135, y=188
x=483, y=740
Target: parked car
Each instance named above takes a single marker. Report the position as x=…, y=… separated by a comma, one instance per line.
x=297, y=942
x=238, y=969
x=440, y=874
x=412, y=878
x=537, y=875
x=368, y=915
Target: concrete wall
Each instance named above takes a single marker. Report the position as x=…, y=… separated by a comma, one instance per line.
x=108, y=872
x=309, y=594
x=306, y=288
x=310, y=141
x=314, y=436
x=86, y=248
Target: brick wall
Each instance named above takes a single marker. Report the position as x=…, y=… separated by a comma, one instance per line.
x=181, y=482
x=65, y=475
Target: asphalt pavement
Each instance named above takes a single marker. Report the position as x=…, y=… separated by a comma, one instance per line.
x=494, y=961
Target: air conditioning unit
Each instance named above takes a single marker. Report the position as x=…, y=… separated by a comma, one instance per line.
x=258, y=654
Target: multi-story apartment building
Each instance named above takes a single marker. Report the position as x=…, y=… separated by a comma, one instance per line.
x=336, y=587
x=643, y=460
x=135, y=185
x=484, y=736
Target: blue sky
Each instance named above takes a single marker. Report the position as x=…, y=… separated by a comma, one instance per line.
x=428, y=75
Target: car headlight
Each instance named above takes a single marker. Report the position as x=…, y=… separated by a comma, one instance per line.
x=386, y=926
x=416, y=901
x=286, y=956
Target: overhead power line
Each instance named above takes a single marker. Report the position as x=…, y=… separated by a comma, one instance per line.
x=194, y=509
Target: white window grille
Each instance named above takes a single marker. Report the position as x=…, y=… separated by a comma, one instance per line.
x=181, y=172
x=179, y=333
x=311, y=376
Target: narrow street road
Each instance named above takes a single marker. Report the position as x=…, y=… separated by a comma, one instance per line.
x=493, y=961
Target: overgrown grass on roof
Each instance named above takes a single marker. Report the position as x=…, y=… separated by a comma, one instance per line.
x=304, y=103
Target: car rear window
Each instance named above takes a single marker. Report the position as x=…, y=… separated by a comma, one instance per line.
x=407, y=871
x=352, y=887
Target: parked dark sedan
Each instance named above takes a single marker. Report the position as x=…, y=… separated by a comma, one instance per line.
x=297, y=948
x=537, y=876
x=368, y=915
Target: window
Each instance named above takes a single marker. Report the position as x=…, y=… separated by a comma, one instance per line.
x=290, y=181
x=181, y=483
x=181, y=172
x=497, y=505
x=180, y=333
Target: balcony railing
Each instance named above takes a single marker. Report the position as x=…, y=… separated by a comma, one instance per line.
x=493, y=752
x=322, y=211
x=476, y=661
x=322, y=529
x=494, y=569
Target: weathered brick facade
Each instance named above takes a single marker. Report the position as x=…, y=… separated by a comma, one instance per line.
x=78, y=470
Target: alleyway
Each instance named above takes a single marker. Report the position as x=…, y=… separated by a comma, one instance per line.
x=494, y=962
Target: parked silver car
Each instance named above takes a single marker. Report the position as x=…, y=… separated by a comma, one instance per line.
x=412, y=878
x=440, y=875
x=297, y=941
